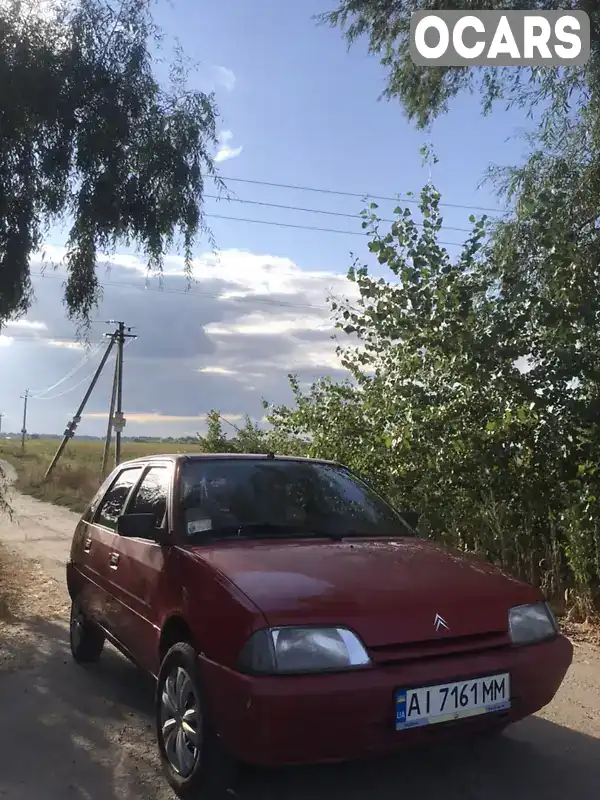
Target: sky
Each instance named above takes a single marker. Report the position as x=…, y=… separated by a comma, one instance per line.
x=296, y=108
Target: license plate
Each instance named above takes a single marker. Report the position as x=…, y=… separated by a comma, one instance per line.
x=451, y=701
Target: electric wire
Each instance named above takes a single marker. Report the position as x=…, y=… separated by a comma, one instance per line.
x=37, y=394
x=88, y=377
x=315, y=211
x=188, y=292
x=305, y=227
x=360, y=195
x=79, y=383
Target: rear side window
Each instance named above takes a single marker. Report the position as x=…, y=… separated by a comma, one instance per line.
x=96, y=499
x=114, y=500
x=151, y=495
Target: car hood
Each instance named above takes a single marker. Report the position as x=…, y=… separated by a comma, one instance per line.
x=389, y=592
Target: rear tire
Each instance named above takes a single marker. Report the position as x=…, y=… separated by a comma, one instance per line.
x=191, y=753
x=86, y=638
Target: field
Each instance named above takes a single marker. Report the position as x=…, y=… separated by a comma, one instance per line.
x=77, y=474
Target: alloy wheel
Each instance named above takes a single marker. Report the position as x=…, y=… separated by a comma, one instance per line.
x=77, y=623
x=180, y=723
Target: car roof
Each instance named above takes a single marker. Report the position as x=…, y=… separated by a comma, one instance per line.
x=187, y=457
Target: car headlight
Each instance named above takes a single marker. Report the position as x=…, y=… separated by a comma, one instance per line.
x=531, y=623
x=286, y=650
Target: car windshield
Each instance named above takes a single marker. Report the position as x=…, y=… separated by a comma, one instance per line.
x=257, y=498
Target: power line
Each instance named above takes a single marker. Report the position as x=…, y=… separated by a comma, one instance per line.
x=305, y=227
x=76, y=419
x=118, y=338
x=36, y=395
x=47, y=338
x=75, y=385
x=317, y=211
x=188, y=292
x=361, y=196
x=66, y=391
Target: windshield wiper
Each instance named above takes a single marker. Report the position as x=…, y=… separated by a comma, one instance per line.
x=269, y=530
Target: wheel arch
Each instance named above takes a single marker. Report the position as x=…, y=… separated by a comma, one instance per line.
x=174, y=629
x=74, y=580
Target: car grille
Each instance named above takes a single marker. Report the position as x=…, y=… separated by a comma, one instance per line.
x=438, y=648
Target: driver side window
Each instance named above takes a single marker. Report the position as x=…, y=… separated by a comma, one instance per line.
x=151, y=495
x=114, y=500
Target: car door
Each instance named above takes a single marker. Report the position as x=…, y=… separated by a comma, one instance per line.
x=85, y=556
x=138, y=568
x=99, y=541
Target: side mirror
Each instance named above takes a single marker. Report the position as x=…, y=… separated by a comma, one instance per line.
x=139, y=526
x=412, y=517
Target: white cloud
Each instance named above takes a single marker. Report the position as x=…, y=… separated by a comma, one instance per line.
x=217, y=371
x=277, y=301
x=247, y=321
x=260, y=324
x=5, y=341
x=270, y=306
x=226, y=77
x=155, y=418
x=66, y=344
x=27, y=324
x=226, y=152
x=274, y=281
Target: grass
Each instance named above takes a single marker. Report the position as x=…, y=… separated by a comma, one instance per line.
x=77, y=474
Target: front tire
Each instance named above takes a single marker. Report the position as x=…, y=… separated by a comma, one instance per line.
x=86, y=639
x=191, y=753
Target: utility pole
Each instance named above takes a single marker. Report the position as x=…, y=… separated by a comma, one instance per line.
x=109, y=426
x=70, y=429
x=24, y=397
x=1, y=415
x=119, y=420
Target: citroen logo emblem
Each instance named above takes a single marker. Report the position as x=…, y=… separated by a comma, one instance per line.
x=440, y=622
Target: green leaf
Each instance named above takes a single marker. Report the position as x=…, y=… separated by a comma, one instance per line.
x=96, y=138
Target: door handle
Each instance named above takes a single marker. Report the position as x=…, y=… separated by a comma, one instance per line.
x=87, y=545
x=114, y=560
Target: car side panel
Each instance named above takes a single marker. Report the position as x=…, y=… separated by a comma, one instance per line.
x=98, y=544
x=158, y=583
x=220, y=616
x=87, y=559
x=137, y=584
x=98, y=573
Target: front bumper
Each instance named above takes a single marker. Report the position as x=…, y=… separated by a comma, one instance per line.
x=319, y=718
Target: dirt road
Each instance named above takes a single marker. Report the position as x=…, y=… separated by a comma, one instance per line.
x=70, y=733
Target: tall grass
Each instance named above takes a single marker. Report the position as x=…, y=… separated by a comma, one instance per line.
x=77, y=475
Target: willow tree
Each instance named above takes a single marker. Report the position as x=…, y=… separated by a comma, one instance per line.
x=90, y=135
x=425, y=92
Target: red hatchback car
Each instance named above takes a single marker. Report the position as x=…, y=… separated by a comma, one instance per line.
x=290, y=615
